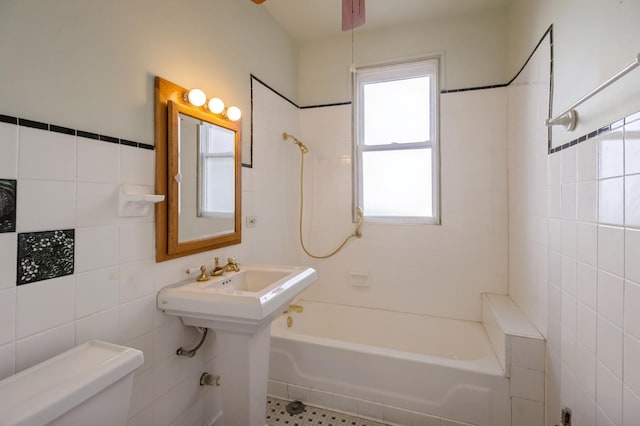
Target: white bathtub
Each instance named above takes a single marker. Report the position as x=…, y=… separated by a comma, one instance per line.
x=391, y=362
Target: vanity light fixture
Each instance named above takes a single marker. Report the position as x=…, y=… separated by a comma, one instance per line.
x=234, y=113
x=215, y=105
x=196, y=97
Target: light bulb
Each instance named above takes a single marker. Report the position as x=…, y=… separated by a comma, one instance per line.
x=196, y=97
x=215, y=105
x=234, y=113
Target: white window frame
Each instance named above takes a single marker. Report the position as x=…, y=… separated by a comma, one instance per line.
x=390, y=72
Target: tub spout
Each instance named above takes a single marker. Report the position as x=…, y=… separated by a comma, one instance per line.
x=294, y=308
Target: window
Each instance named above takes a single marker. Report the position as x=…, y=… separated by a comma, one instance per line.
x=396, y=143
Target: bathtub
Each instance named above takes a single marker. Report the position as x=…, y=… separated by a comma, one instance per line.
x=378, y=362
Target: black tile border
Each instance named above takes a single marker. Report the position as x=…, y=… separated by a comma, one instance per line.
x=611, y=127
x=24, y=122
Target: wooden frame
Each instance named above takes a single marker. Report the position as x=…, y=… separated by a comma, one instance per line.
x=169, y=100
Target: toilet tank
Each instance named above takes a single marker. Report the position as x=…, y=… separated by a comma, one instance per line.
x=88, y=385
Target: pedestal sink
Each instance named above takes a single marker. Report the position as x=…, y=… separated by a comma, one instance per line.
x=239, y=307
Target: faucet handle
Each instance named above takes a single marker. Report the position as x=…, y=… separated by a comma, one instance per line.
x=216, y=261
x=203, y=276
x=231, y=260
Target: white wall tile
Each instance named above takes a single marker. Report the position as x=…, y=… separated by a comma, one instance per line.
x=136, y=318
x=45, y=205
x=142, y=393
x=7, y=360
x=98, y=161
x=527, y=384
x=396, y=415
x=569, y=201
x=587, y=199
x=146, y=344
x=7, y=315
x=528, y=353
x=97, y=247
x=137, y=166
x=587, y=160
x=611, y=249
x=632, y=254
x=569, y=165
x=569, y=275
x=611, y=155
x=569, y=238
x=632, y=363
x=602, y=419
x=610, y=344
x=586, y=369
x=97, y=204
x=609, y=394
x=8, y=259
x=584, y=414
x=631, y=309
x=9, y=157
x=136, y=242
x=587, y=285
x=527, y=413
x=610, y=297
x=42, y=346
x=631, y=407
x=136, y=280
x=96, y=290
x=44, y=304
x=555, y=235
x=46, y=155
x=587, y=243
x=632, y=201
x=100, y=326
x=632, y=148
x=168, y=338
x=587, y=327
x=298, y=393
x=611, y=201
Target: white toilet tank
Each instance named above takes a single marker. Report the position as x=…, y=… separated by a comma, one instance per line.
x=88, y=385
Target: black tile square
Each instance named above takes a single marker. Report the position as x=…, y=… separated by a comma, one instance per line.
x=8, y=190
x=45, y=255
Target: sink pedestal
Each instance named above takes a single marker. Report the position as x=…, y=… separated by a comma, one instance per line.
x=243, y=363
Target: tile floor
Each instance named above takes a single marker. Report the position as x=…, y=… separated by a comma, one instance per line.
x=277, y=416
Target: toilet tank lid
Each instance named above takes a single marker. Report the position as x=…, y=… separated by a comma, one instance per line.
x=51, y=388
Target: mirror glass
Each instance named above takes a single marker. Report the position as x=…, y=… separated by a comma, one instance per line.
x=206, y=192
x=198, y=170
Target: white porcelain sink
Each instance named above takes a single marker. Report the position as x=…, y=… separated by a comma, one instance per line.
x=239, y=307
x=247, y=298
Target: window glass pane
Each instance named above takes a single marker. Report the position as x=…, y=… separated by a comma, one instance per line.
x=396, y=111
x=397, y=183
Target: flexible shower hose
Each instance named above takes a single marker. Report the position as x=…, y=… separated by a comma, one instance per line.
x=355, y=234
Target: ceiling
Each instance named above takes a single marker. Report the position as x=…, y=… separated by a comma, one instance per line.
x=308, y=20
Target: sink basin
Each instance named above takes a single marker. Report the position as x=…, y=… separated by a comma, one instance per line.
x=239, y=307
x=250, y=297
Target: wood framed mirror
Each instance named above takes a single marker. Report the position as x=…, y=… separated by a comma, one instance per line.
x=198, y=169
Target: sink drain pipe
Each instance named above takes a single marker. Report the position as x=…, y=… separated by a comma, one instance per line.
x=190, y=353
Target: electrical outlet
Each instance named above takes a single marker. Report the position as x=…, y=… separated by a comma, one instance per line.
x=251, y=222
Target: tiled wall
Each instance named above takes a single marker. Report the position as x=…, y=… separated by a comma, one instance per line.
x=66, y=182
x=425, y=269
x=574, y=246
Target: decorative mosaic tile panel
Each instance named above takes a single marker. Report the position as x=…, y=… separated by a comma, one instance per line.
x=8, y=205
x=45, y=255
x=277, y=416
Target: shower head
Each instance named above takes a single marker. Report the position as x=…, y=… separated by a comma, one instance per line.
x=302, y=146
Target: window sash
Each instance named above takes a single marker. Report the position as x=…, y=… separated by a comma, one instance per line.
x=395, y=72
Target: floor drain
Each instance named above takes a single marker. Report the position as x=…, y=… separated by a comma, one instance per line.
x=295, y=407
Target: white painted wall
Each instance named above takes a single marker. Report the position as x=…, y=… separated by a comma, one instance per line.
x=473, y=49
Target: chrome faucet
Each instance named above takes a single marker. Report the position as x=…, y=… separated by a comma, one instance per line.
x=231, y=266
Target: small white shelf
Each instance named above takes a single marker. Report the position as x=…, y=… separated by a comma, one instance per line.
x=136, y=200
